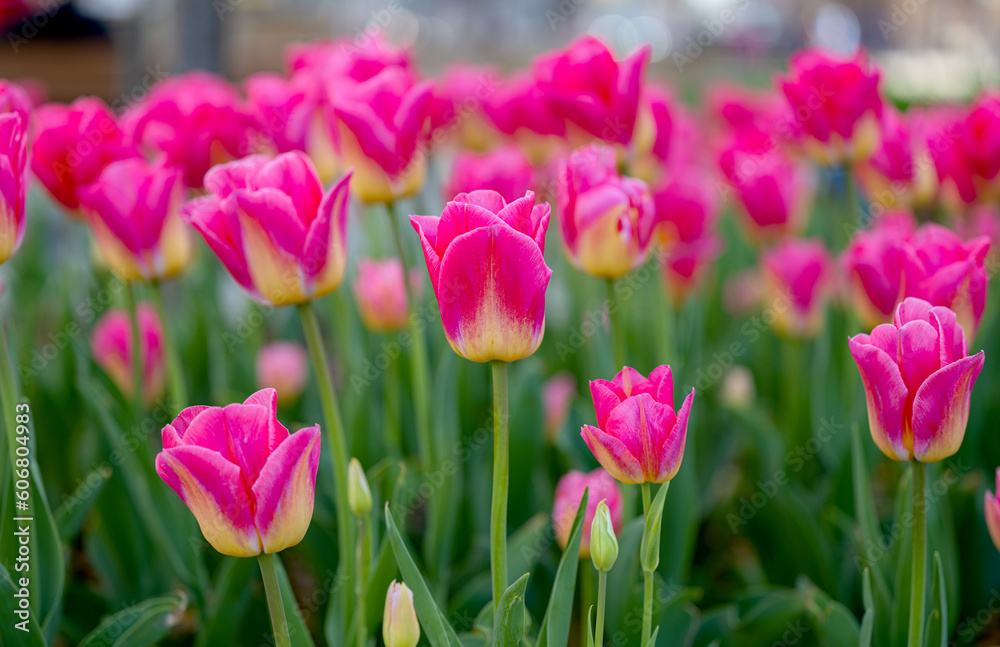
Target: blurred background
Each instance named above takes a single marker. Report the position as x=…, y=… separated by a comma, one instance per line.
x=928, y=49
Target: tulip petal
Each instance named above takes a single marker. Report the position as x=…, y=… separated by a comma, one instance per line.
x=224, y=179
x=941, y=409
x=324, y=254
x=886, y=395
x=662, y=381
x=643, y=425
x=491, y=291
x=672, y=451
x=628, y=379
x=919, y=354
x=212, y=488
x=276, y=432
x=206, y=215
x=460, y=218
x=613, y=455
x=285, y=490
x=427, y=228
x=275, y=213
x=293, y=175
x=606, y=396
x=173, y=434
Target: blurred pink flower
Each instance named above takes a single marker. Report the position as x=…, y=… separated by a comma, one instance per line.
x=505, y=170
x=991, y=511
x=797, y=274
x=457, y=106
x=569, y=491
x=381, y=294
x=557, y=394
x=13, y=181
x=111, y=344
x=874, y=263
x=283, y=366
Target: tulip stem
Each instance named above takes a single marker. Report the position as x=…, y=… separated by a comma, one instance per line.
x=919, y=574
x=501, y=467
x=602, y=586
x=617, y=328
x=136, y=356
x=647, y=588
x=335, y=433
x=175, y=377
x=359, y=586
x=418, y=352
x=279, y=623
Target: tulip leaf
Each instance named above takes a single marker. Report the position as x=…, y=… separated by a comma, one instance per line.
x=140, y=625
x=868, y=620
x=297, y=629
x=232, y=593
x=10, y=629
x=70, y=515
x=650, y=548
x=937, y=622
x=435, y=625
x=508, y=626
x=652, y=638
x=590, y=626
x=559, y=613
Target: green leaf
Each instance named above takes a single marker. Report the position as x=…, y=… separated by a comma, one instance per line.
x=652, y=638
x=868, y=620
x=140, y=625
x=559, y=613
x=937, y=622
x=650, y=548
x=232, y=596
x=508, y=628
x=435, y=625
x=10, y=634
x=297, y=629
x=70, y=515
x=590, y=626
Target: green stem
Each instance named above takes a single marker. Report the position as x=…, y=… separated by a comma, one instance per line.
x=501, y=467
x=647, y=588
x=359, y=586
x=919, y=576
x=335, y=433
x=602, y=585
x=393, y=432
x=132, y=306
x=279, y=623
x=175, y=377
x=418, y=353
x=667, y=352
x=617, y=327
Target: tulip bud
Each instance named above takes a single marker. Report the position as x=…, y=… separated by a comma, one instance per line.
x=399, y=621
x=603, y=543
x=359, y=496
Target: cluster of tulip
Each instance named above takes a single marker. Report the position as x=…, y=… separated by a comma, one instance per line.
x=632, y=179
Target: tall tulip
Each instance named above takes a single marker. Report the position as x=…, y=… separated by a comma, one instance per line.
x=13, y=182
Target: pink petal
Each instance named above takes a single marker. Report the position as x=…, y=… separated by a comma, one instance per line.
x=276, y=432
x=672, y=452
x=628, y=379
x=662, y=381
x=427, y=228
x=919, y=354
x=886, y=395
x=275, y=212
x=606, y=396
x=285, y=490
x=326, y=239
x=613, y=455
x=294, y=175
x=941, y=409
x=643, y=425
x=461, y=218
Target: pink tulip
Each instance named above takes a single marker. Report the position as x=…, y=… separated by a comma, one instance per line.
x=836, y=102
x=380, y=291
x=918, y=379
x=901, y=171
x=381, y=134
x=569, y=491
x=283, y=366
x=639, y=438
x=197, y=120
x=798, y=274
x=982, y=220
x=505, y=170
x=111, y=344
x=518, y=106
x=991, y=510
x=773, y=190
x=874, y=263
x=557, y=394
x=347, y=59
x=606, y=220
x=72, y=145
x=485, y=260
x=248, y=482
x=686, y=209
x=13, y=182
x=14, y=98
x=133, y=209
x=585, y=85
x=269, y=222
x=456, y=106
x=946, y=271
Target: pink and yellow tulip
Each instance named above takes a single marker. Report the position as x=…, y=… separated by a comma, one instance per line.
x=380, y=291
x=111, y=344
x=505, y=170
x=918, y=379
x=248, y=482
x=269, y=222
x=569, y=491
x=639, y=437
x=13, y=182
x=798, y=273
x=486, y=264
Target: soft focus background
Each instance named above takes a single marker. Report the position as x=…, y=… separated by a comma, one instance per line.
x=760, y=543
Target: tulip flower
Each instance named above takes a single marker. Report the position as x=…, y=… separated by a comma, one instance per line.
x=133, y=209
x=13, y=182
x=517, y=108
x=901, y=170
x=456, y=106
x=73, y=144
x=197, y=120
x=836, y=103
x=269, y=222
x=585, y=85
x=505, y=170
x=798, y=273
x=399, y=619
x=381, y=133
x=982, y=220
x=686, y=209
x=283, y=366
x=347, y=59
x=248, y=482
x=991, y=510
x=975, y=155
x=639, y=438
x=381, y=294
x=14, y=98
x=282, y=108
x=111, y=344
x=569, y=491
x=918, y=379
x=557, y=394
x=874, y=263
x=484, y=257
x=946, y=271
x=606, y=220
